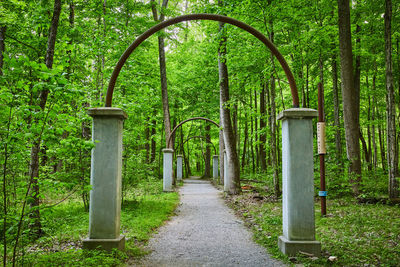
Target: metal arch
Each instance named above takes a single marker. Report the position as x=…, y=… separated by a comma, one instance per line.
x=214, y=17
x=183, y=122
x=201, y=137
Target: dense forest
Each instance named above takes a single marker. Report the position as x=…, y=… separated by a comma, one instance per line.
x=57, y=56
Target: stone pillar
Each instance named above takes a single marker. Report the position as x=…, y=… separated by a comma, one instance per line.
x=179, y=166
x=215, y=166
x=226, y=172
x=298, y=183
x=167, y=169
x=105, y=179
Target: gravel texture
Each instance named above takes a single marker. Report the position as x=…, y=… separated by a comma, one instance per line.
x=205, y=232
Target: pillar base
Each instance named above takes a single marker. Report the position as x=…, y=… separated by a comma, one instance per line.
x=292, y=247
x=106, y=244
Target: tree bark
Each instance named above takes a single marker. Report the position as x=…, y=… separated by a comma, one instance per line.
x=256, y=130
x=350, y=96
x=153, y=137
x=263, y=137
x=207, y=164
x=229, y=137
x=163, y=70
x=382, y=146
x=336, y=113
x=35, y=226
x=273, y=128
x=252, y=135
x=3, y=30
x=246, y=137
x=390, y=106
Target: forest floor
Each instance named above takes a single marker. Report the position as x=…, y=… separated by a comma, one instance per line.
x=205, y=232
x=352, y=233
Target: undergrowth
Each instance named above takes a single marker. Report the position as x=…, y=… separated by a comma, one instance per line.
x=144, y=209
x=355, y=234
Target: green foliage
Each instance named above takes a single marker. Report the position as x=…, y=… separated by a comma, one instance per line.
x=357, y=234
x=66, y=225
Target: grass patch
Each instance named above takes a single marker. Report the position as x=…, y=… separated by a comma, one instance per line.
x=357, y=234
x=67, y=224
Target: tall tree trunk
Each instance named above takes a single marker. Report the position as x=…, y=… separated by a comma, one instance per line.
x=6, y=154
x=36, y=227
x=207, y=164
x=153, y=136
x=246, y=137
x=368, y=126
x=3, y=30
x=252, y=135
x=381, y=136
x=336, y=113
x=274, y=148
x=263, y=137
x=375, y=115
x=390, y=106
x=350, y=96
x=147, y=144
x=256, y=130
x=163, y=71
x=229, y=138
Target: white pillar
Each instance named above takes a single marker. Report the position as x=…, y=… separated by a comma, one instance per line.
x=167, y=169
x=226, y=172
x=179, y=166
x=215, y=166
x=105, y=179
x=298, y=183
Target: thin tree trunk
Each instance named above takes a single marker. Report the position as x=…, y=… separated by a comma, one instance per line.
x=5, y=206
x=3, y=30
x=246, y=137
x=36, y=227
x=207, y=164
x=263, y=137
x=147, y=144
x=350, y=96
x=274, y=149
x=252, y=135
x=374, y=115
x=368, y=126
x=229, y=138
x=153, y=137
x=381, y=136
x=336, y=114
x=256, y=130
x=390, y=106
x=163, y=71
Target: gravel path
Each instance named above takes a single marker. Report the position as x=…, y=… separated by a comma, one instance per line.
x=205, y=232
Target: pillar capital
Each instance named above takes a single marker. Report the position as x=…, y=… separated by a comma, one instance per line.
x=168, y=150
x=298, y=113
x=107, y=112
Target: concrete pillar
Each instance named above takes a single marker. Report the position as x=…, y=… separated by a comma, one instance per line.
x=298, y=183
x=215, y=166
x=167, y=169
x=179, y=167
x=226, y=172
x=105, y=179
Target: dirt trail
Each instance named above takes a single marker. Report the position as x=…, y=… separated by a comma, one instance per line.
x=205, y=232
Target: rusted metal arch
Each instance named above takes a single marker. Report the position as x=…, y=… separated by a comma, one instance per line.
x=214, y=17
x=201, y=137
x=185, y=121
